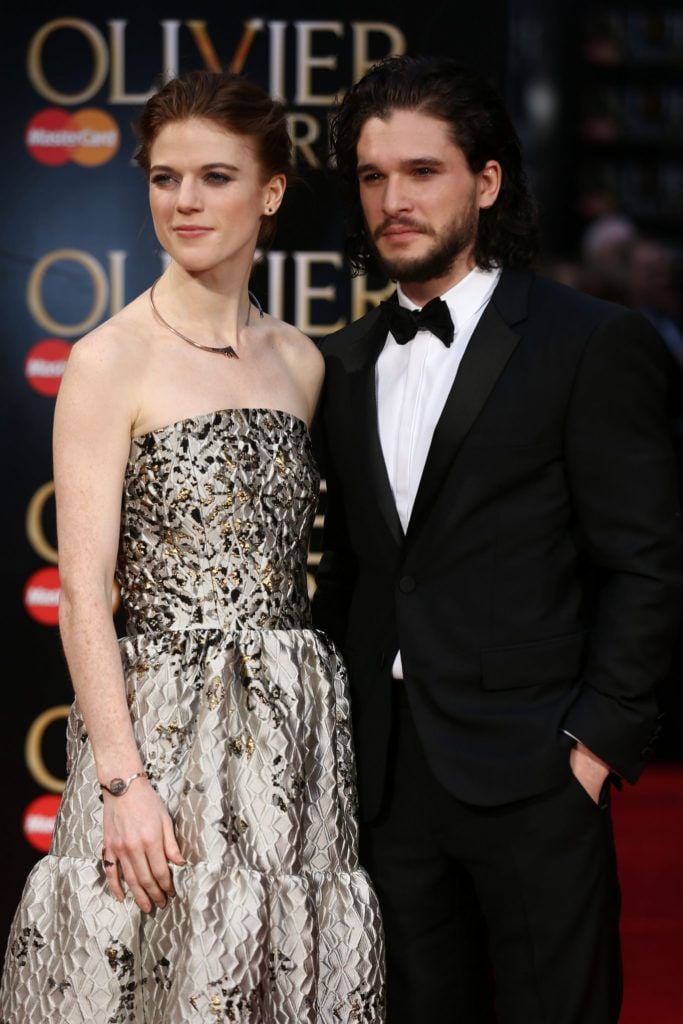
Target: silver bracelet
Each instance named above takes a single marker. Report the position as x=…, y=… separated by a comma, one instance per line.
x=117, y=787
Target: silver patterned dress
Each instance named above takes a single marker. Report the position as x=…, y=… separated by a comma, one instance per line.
x=241, y=712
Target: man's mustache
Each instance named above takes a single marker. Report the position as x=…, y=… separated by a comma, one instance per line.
x=404, y=222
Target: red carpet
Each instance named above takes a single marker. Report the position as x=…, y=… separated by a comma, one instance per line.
x=648, y=822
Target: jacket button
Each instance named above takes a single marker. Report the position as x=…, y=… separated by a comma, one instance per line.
x=406, y=584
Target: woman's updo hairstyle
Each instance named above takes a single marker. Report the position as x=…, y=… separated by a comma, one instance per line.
x=233, y=103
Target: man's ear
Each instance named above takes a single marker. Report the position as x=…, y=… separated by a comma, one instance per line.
x=490, y=180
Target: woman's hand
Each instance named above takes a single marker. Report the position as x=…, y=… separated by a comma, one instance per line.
x=139, y=841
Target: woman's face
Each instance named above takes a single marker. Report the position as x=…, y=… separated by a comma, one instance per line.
x=207, y=194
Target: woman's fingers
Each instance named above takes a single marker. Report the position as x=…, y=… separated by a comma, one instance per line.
x=111, y=872
x=142, y=860
x=161, y=871
x=139, y=895
x=140, y=850
x=171, y=848
x=141, y=881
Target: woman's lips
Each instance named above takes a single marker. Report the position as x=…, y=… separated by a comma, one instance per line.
x=191, y=231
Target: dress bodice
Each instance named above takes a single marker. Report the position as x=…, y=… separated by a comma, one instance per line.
x=216, y=519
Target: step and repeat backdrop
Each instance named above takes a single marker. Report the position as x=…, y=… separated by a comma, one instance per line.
x=78, y=245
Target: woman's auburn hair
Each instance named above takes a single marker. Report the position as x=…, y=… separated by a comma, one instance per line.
x=230, y=101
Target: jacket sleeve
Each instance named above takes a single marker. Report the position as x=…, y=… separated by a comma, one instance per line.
x=624, y=485
x=337, y=571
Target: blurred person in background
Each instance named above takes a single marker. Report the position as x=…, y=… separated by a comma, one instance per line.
x=605, y=257
x=655, y=291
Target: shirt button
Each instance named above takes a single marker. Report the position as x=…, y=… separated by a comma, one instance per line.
x=406, y=584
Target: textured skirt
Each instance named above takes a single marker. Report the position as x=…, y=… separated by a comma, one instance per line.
x=246, y=737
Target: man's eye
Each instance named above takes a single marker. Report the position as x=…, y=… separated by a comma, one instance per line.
x=371, y=176
x=424, y=172
x=217, y=177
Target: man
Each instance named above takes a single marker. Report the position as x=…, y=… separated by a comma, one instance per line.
x=502, y=567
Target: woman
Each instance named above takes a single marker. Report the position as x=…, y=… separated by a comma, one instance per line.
x=204, y=863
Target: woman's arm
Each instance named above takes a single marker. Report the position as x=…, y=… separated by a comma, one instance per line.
x=91, y=443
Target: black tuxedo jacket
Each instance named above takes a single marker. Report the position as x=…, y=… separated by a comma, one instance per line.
x=539, y=585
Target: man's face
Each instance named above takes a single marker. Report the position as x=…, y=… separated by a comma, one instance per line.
x=420, y=199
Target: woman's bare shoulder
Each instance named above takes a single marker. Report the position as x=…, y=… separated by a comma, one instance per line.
x=297, y=346
x=120, y=339
x=107, y=364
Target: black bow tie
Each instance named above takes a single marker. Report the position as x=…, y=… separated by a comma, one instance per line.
x=405, y=323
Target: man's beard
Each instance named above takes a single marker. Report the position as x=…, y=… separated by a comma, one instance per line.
x=459, y=236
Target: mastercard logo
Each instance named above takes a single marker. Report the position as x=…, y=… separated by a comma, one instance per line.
x=89, y=137
x=38, y=821
x=41, y=596
x=45, y=364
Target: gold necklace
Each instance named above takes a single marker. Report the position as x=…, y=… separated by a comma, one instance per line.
x=228, y=351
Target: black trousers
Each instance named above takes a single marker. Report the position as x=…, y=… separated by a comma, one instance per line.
x=507, y=914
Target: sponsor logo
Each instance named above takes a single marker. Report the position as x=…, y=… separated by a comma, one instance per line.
x=44, y=365
x=33, y=748
x=89, y=137
x=35, y=527
x=41, y=596
x=38, y=821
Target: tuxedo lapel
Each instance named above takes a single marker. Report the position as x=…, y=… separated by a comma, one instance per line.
x=363, y=358
x=487, y=353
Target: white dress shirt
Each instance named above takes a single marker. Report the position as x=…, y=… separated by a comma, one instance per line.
x=412, y=383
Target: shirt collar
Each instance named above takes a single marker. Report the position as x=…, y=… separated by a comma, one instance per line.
x=466, y=297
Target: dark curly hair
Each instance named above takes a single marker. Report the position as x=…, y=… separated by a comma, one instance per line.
x=230, y=101
x=480, y=125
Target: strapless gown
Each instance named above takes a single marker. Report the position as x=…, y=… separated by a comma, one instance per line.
x=241, y=712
